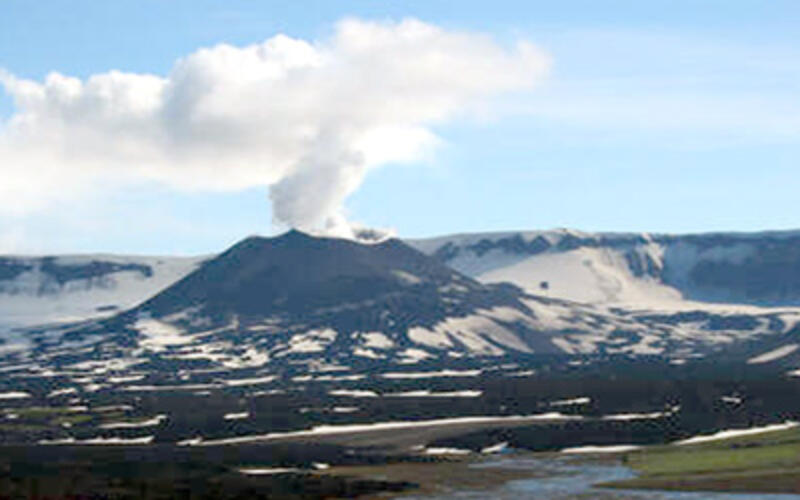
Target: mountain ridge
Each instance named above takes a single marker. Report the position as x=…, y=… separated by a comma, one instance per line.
x=353, y=296
x=760, y=269
x=330, y=330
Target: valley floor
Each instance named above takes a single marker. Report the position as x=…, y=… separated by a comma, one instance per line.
x=766, y=463
x=758, y=466
x=758, y=463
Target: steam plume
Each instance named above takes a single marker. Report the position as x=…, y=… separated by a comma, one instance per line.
x=309, y=119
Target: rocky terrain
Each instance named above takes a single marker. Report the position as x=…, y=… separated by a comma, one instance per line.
x=650, y=270
x=310, y=339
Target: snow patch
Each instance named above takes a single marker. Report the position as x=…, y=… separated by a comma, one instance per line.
x=446, y=451
x=14, y=395
x=268, y=471
x=115, y=441
x=311, y=341
x=248, y=381
x=497, y=448
x=353, y=393
x=429, y=394
x=152, y=422
x=618, y=448
x=328, y=430
x=431, y=338
x=237, y=416
x=584, y=400
x=436, y=374
x=158, y=335
x=62, y=392
x=778, y=353
x=367, y=353
x=733, y=433
x=376, y=340
x=344, y=409
x=640, y=416
x=412, y=356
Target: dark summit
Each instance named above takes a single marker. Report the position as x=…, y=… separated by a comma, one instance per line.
x=298, y=295
x=297, y=274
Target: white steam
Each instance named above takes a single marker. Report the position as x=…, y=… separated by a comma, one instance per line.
x=308, y=119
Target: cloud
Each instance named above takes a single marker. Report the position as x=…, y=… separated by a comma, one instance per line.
x=309, y=119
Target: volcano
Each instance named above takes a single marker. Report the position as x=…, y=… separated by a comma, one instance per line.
x=298, y=295
x=298, y=298
x=297, y=274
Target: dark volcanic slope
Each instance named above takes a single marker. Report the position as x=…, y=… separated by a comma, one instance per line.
x=297, y=274
x=296, y=331
x=269, y=305
x=297, y=295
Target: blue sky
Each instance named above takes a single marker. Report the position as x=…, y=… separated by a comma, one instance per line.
x=662, y=116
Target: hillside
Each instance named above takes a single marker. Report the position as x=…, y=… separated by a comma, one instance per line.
x=633, y=269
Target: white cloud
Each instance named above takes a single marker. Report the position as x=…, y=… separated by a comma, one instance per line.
x=309, y=119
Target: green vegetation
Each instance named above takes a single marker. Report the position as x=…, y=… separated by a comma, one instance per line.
x=768, y=462
x=78, y=419
x=41, y=412
x=38, y=418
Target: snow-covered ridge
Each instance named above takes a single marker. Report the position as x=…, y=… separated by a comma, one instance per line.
x=328, y=430
x=733, y=433
x=641, y=269
x=38, y=290
x=645, y=270
x=600, y=293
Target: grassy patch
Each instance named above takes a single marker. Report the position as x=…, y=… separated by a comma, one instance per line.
x=768, y=462
x=41, y=412
x=72, y=419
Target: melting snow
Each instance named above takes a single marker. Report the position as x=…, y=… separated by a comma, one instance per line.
x=732, y=433
x=237, y=416
x=618, y=448
x=446, y=451
x=159, y=335
x=338, y=378
x=152, y=422
x=774, y=354
x=442, y=373
x=641, y=416
x=497, y=448
x=100, y=441
x=126, y=379
x=376, y=340
x=184, y=387
x=354, y=393
x=311, y=341
x=268, y=471
x=431, y=338
x=345, y=409
x=472, y=331
x=14, y=395
x=367, y=353
x=249, y=381
x=406, y=277
x=62, y=392
x=429, y=394
x=413, y=355
x=327, y=430
x=575, y=401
